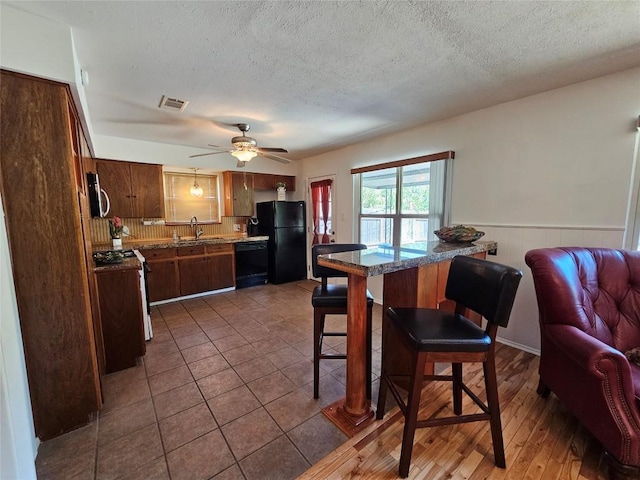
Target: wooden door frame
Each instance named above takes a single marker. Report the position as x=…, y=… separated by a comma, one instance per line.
x=317, y=178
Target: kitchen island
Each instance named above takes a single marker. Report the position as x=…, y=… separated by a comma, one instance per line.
x=414, y=276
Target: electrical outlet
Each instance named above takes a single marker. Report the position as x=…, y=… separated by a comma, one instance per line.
x=236, y=227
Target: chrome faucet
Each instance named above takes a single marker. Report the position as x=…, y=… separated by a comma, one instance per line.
x=194, y=224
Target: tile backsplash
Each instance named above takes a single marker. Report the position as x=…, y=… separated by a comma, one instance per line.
x=99, y=228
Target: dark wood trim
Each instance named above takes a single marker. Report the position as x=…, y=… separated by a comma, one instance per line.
x=409, y=161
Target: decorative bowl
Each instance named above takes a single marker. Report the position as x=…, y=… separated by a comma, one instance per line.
x=458, y=234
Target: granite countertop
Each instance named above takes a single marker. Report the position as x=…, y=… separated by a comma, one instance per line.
x=380, y=260
x=145, y=244
x=129, y=263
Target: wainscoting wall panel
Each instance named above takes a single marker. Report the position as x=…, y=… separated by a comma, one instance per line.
x=514, y=241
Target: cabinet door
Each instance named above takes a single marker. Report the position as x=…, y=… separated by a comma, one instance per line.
x=162, y=280
x=222, y=271
x=264, y=181
x=115, y=179
x=242, y=194
x=147, y=191
x=49, y=270
x=195, y=275
x=121, y=315
x=286, y=179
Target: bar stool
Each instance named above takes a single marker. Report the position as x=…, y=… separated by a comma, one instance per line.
x=415, y=336
x=329, y=299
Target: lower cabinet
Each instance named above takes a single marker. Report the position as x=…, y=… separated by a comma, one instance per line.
x=195, y=275
x=121, y=316
x=176, y=272
x=162, y=280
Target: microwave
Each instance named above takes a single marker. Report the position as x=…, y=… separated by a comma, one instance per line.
x=98, y=199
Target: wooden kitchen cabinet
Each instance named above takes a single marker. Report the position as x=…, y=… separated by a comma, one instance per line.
x=50, y=260
x=135, y=189
x=238, y=194
x=176, y=272
x=163, y=281
x=222, y=268
x=267, y=181
x=206, y=268
x=195, y=275
x=122, y=317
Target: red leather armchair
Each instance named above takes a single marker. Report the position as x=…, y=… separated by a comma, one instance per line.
x=589, y=306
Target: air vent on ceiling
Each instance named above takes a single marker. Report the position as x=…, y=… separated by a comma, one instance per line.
x=173, y=103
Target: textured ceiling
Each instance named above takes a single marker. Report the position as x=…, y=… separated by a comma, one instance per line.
x=318, y=75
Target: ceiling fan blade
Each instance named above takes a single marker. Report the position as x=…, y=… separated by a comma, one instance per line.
x=272, y=156
x=280, y=150
x=205, y=154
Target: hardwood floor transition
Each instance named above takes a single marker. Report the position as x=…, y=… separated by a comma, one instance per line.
x=542, y=439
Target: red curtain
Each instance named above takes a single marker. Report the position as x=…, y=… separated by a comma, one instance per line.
x=315, y=196
x=320, y=199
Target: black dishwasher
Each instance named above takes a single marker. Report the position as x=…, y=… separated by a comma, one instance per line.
x=251, y=263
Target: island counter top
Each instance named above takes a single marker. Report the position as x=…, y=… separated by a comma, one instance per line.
x=386, y=259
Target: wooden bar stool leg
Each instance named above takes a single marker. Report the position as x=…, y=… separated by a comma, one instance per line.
x=491, y=385
x=457, y=388
x=369, y=352
x=318, y=325
x=411, y=417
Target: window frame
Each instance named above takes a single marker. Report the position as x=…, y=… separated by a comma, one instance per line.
x=215, y=198
x=397, y=217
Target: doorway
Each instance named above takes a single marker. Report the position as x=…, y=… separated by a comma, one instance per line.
x=321, y=201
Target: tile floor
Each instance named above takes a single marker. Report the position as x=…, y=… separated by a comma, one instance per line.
x=224, y=392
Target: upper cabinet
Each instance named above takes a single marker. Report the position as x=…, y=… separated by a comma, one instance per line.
x=239, y=188
x=238, y=194
x=266, y=181
x=134, y=189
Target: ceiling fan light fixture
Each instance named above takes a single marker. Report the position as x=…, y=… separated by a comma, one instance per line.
x=196, y=190
x=244, y=155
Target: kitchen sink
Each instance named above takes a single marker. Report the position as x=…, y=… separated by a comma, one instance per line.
x=202, y=237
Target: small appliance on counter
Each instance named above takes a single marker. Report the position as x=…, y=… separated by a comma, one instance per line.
x=252, y=227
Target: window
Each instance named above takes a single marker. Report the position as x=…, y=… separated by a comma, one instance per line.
x=180, y=205
x=632, y=230
x=402, y=202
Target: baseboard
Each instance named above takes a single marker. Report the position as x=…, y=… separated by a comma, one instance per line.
x=187, y=297
x=519, y=346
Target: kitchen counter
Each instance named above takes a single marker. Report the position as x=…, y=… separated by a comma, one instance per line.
x=129, y=263
x=149, y=243
x=383, y=260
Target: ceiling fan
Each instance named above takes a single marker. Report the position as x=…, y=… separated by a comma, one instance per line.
x=245, y=148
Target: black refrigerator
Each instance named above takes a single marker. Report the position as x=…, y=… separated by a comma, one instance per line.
x=285, y=224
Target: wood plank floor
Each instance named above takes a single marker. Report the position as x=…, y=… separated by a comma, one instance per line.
x=542, y=439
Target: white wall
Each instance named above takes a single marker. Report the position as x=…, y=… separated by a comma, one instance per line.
x=547, y=170
x=35, y=44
